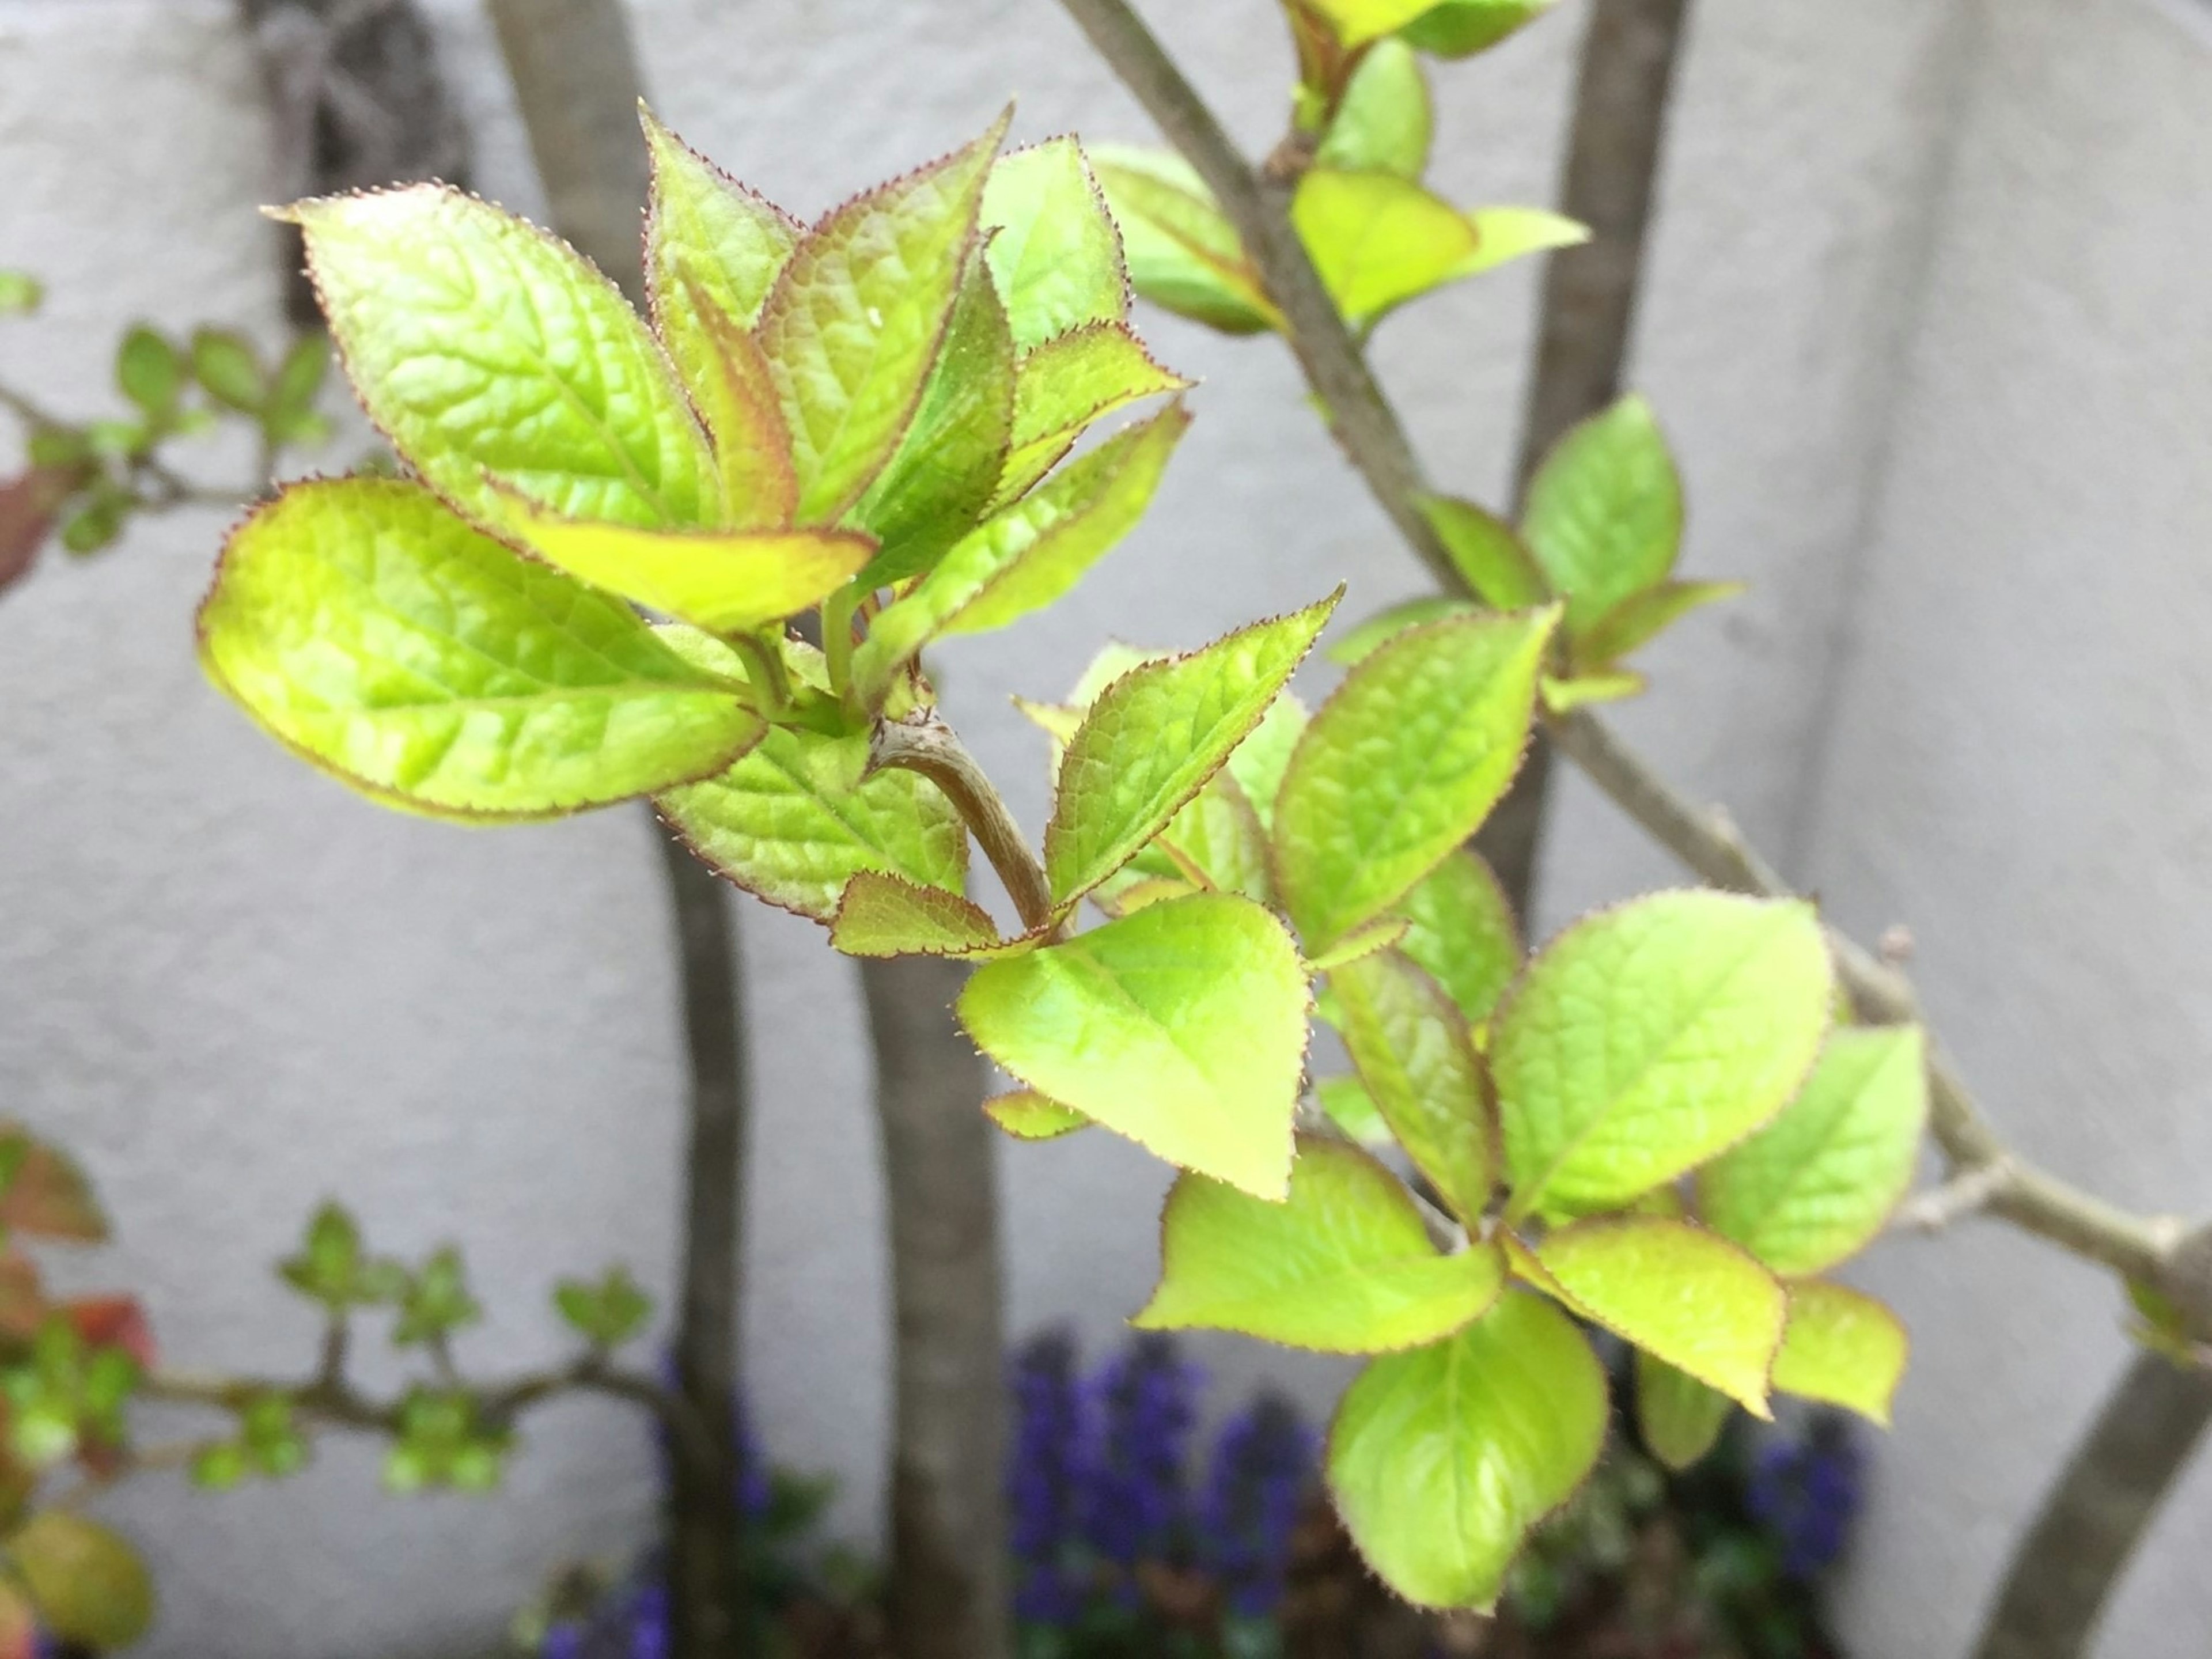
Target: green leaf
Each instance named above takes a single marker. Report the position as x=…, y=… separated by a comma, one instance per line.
x=21, y=294
x=1027, y=556
x=1646, y=1039
x=712, y=250
x=1502, y=234
x=1358, y=21
x=1411, y=1046
x=1155, y=736
x=1640, y=617
x=371, y=630
x=726, y=581
x=1675, y=1291
x=607, y=1314
x=1604, y=517
x=1383, y=122
x=1841, y=1347
x=1183, y=254
x=1378, y=239
x=300, y=377
x=1361, y=642
x=1352, y=1109
x=491, y=355
x=1183, y=1027
x=744, y=413
x=1401, y=765
x=230, y=370
x=1460, y=28
x=1343, y=1266
x=882, y=916
x=437, y=1301
x=1056, y=257
x=947, y=467
x=799, y=817
x=1028, y=1115
x=1217, y=840
x=1463, y=934
x=1259, y=762
x=1819, y=1182
x=88, y=1583
x=854, y=321
x=1680, y=1418
x=1065, y=385
x=1580, y=691
x=1442, y=1459
x=149, y=371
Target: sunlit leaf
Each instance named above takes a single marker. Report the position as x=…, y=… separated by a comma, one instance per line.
x=1378, y=239
x=373, y=632
x=1028, y=1115
x=883, y=915
x=1502, y=234
x=1183, y=254
x=1056, y=255
x=1604, y=517
x=1343, y=1266
x=1410, y=1043
x=1582, y=690
x=1646, y=1038
x=1460, y=28
x=1183, y=1027
x=1258, y=762
x=1442, y=1459
x=1065, y=385
x=1843, y=1348
x=1463, y=934
x=1383, y=122
x=1384, y=625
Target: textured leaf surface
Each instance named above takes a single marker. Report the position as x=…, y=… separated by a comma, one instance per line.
x=1604, y=517
x=1258, y=763
x=947, y=466
x=372, y=630
x=1065, y=385
x=1154, y=737
x=1459, y=28
x=725, y=581
x=1027, y=555
x=1442, y=1459
x=1343, y=1266
x=1463, y=934
x=1216, y=838
x=1056, y=256
x=882, y=916
x=1675, y=1291
x=88, y=1583
x=1647, y=1038
x=1642, y=617
x=1411, y=1045
x=795, y=820
x=1028, y=1115
x=1183, y=1027
x=1401, y=765
x=744, y=413
x=1183, y=253
x=491, y=355
x=1680, y=1418
x=1384, y=122
x=1488, y=552
x=1819, y=1182
x=1841, y=1347
x=854, y=321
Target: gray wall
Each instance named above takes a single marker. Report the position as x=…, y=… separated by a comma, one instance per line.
x=1926, y=326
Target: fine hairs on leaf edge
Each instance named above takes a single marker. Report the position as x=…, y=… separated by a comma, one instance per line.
x=1105, y=212
x=654, y=127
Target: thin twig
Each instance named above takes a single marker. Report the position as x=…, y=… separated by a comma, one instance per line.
x=925, y=744
x=1368, y=429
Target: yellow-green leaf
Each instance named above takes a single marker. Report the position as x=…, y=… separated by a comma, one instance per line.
x=737, y=396
x=1488, y=552
x=88, y=1583
x=1460, y=28
x=1842, y=1348
x=1259, y=762
x=1360, y=643
x=1646, y=1038
x=854, y=321
x=1816, y=1184
x=1153, y=738
x=1183, y=254
x=1055, y=254
x=1641, y=617
x=493, y=356
x=1379, y=239
x=1343, y=1266
x=1215, y=839
x=1442, y=1459
x=1463, y=934
x=1028, y=1115
x=373, y=632
x=1183, y=1027
x=1679, y=1416
x=1505, y=234
x=1675, y=1291
x=1384, y=121
x=1401, y=765
x=1065, y=385
x=1351, y=1108
x=1604, y=517
x=726, y=581
x=798, y=817
x=1358, y=21
x=1580, y=691
x=1410, y=1043
x=885, y=915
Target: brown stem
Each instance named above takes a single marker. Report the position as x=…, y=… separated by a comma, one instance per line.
x=948, y=1537
x=2097, y=1511
x=1368, y=431
x=576, y=77
x=925, y=744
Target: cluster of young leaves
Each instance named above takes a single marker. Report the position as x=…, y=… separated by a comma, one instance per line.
x=83, y=482
x=68, y=1369
x=1378, y=237
x=585, y=590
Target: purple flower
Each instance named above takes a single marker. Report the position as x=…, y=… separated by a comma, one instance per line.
x=1045, y=1479
x=1805, y=1490
x=1263, y=1461
x=563, y=1640
x=649, y=1634
x=1146, y=1399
